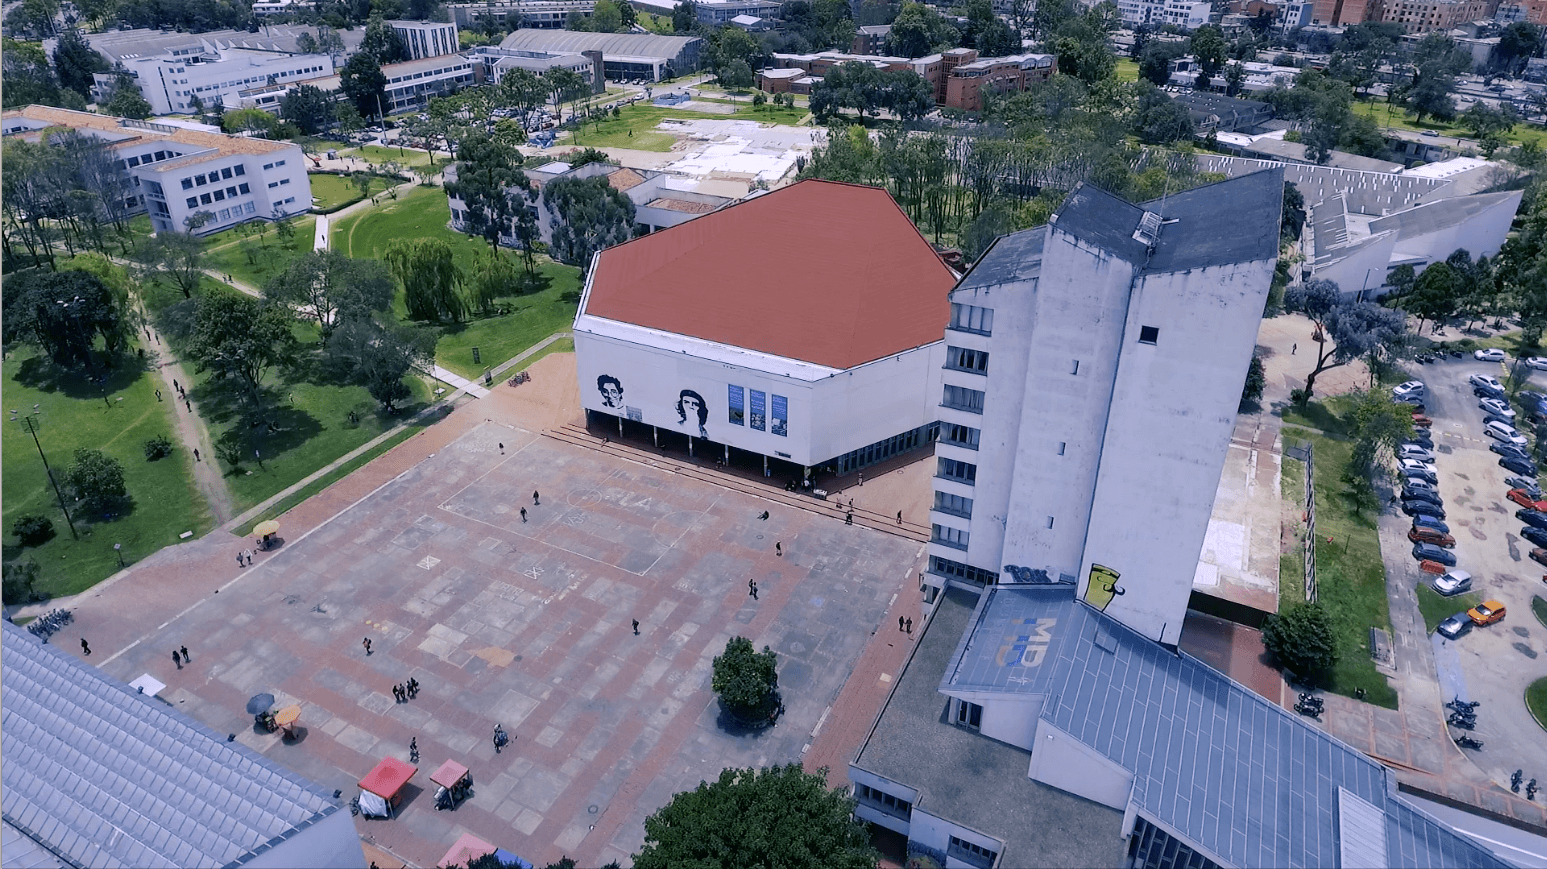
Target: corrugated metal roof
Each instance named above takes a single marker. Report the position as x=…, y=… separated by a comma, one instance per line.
x=822, y=272
x=103, y=776
x=625, y=44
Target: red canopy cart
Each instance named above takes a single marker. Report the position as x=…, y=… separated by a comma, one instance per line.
x=382, y=788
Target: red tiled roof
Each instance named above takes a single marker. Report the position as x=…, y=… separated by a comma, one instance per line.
x=828, y=273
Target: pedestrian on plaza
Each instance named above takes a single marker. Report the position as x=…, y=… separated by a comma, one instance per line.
x=851, y=503
x=848, y=518
x=177, y=386
x=636, y=627
x=397, y=693
x=240, y=558
x=910, y=626
x=502, y=449
x=367, y=644
x=535, y=501
x=188, y=404
x=413, y=687
x=862, y=479
x=753, y=590
x=84, y=646
x=764, y=517
x=779, y=549
x=196, y=455
x=899, y=517
x=158, y=395
x=185, y=654
x=523, y=514
x=177, y=660
x=899, y=623
x=1293, y=348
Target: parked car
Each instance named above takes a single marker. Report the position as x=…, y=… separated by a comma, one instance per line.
x=1497, y=407
x=1486, y=613
x=1415, y=483
x=1537, y=536
x=1518, y=465
x=1409, y=391
x=1504, y=432
x=1421, y=438
x=1429, y=535
x=1421, y=470
x=1425, y=508
x=1537, y=362
x=1431, y=522
x=1429, y=495
x=1525, y=483
x=1490, y=354
x=1453, y=582
x=1414, y=451
x=1420, y=421
x=1524, y=499
x=1504, y=449
x=1534, y=518
x=1487, y=382
x=1430, y=552
x=1454, y=626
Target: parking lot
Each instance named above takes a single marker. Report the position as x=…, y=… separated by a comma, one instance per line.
x=1491, y=664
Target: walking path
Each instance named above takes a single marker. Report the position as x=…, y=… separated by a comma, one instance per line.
x=190, y=428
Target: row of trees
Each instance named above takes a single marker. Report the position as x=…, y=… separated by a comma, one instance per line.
x=64, y=190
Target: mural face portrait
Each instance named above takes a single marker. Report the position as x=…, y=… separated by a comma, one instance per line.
x=691, y=404
x=611, y=389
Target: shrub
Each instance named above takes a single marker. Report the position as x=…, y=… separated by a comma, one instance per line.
x=744, y=678
x=18, y=582
x=158, y=447
x=32, y=528
x=97, y=482
x=1256, y=380
x=1301, y=641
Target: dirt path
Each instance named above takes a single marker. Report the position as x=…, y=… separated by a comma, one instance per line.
x=191, y=429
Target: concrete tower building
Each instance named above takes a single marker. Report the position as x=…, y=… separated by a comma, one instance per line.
x=1093, y=370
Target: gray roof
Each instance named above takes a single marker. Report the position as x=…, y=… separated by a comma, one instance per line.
x=1434, y=216
x=1366, y=192
x=1102, y=219
x=1219, y=104
x=1232, y=221
x=974, y=781
x=118, y=45
x=622, y=44
x=1010, y=259
x=1294, y=152
x=103, y=776
x=1213, y=762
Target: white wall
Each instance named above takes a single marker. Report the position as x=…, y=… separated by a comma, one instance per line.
x=1011, y=719
x=1064, y=762
x=865, y=811
x=935, y=832
x=1481, y=235
x=331, y=843
x=1366, y=268
x=1173, y=411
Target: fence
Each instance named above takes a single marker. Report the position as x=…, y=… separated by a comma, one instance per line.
x=1306, y=452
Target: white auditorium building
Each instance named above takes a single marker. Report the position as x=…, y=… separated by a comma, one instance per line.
x=800, y=329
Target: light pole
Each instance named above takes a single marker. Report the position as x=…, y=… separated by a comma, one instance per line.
x=28, y=423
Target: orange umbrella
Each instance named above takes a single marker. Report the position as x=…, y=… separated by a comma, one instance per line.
x=287, y=715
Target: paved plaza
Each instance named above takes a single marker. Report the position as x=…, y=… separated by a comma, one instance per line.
x=526, y=624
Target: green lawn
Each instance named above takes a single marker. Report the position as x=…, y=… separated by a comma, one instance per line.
x=332, y=192
x=379, y=154
x=1539, y=608
x=424, y=213
x=1436, y=607
x=1127, y=69
x=1350, y=576
x=248, y=256
x=166, y=502
x=333, y=476
x=1387, y=115
x=641, y=120
x=1291, y=563
x=1536, y=701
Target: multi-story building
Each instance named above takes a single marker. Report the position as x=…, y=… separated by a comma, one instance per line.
x=624, y=55
x=1534, y=11
x=957, y=77
x=490, y=64
x=870, y=39
x=1107, y=347
x=171, y=83
x=1424, y=16
x=1186, y=14
x=409, y=84
x=717, y=12
x=967, y=84
x=1341, y=13
x=540, y=14
x=425, y=39
x=186, y=179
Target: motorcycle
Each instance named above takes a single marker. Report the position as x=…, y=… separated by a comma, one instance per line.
x=1308, y=710
x=1460, y=706
x=1463, y=723
x=1531, y=789
x=1514, y=781
x=1468, y=742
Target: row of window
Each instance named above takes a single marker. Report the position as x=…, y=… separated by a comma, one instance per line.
x=227, y=173
x=956, y=505
x=280, y=183
x=893, y=805
x=245, y=82
x=274, y=164
x=219, y=195
x=962, y=359
x=973, y=855
x=150, y=158
x=965, y=572
x=962, y=398
x=970, y=318
x=960, y=436
x=953, y=469
x=955, y=538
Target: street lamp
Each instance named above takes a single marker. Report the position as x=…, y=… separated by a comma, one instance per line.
x=30, y=423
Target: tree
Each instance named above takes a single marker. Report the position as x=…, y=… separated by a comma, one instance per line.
x=379, y=357
x=76, y=62
x=64, y=314
x=736, y=75
x=363, y=82
x=33, y=529
x=684, y=17
x=328, y=286
x=348, y=118
x=591, y=215
x=776, y=816
x=919, y=30
x=1155, y=60
x=249, y=121
x=1379, y=426
x=1346, y=329
x=1401, y=279
x=1210, y=48
x=496, y=195
x=1436, y=294
x=1518, y=43
x=1436, y=62
x=382, y=42
x=306, y=43
x=238, y=339
x=745, y=679
x=1083, y=49
x=1161, y=120
x=1292, y=220
x=1302, y=642
x=494, y=277
x=1490, y=125
x=29, y=79
x=20, y=582
x=1522, y=268
x=96, y=482
x=308, y=108
x=430, y=278
x=176, y=256
x=1235, y=74
x=1256, y=381
x=126, y=100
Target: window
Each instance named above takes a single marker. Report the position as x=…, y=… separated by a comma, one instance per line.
x=240, y=169
x=961, y=359
x=1050, y=523
x=244, y=188
x=230, y=192
x=952, y=537
x=976, y=855
x=268, y=166
x=1149, y=334
x=279, y=162
x=961, y=398
x=970, y=714
x=1061, y=446
x=252, y=207
x=960, y=435
x=225, y=214
x=187, y=183
x=969, y=318
x=956, y=505
x=284, y=181
x=883, y=800
x=220, y=196
x=204, y=198
x=962, y=472
x=226, y=172
x=1076, y=369
x=193, y=202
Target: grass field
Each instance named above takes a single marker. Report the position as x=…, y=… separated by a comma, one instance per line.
x=641, y=120
x=1127, y=69
x=1536, y=701
x=333, y=476
x=255, y=259
x=424, y=213
x=379, y=154
x=73, y=416
x=1350, y=576
x=1539, y=608
x=330, y=192
x=1437, y=608
x=1399, y=118
x=1291, y=563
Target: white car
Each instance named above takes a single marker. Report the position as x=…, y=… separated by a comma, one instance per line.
x=1412, y=387
x=1498, y=407
x=1413, y=451
x=1416, y=468
x=1492, y=354
x=1483, y=381
x=1537, y=362
x=1504, y=433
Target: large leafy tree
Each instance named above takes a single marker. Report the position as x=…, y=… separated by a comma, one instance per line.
x=430, y=278
x=1155, y=60
x=308, y=108
x=919, y=30
x=65, y=313
x=28, y=78
x=380, y=357
x=96, y=480
x=758, y=819
x=1162, y=120
x=1302, y=642
x=1211, y=49
x=1346, y=329
x=496, y=195
x=591, y=215
x=363, y=82
x=76, y=62
x=1436, y=62
x=744, y=677
x=328, y=286
x=1437, y=294
x=239, y=338
x=1521, y=267
x=382, y=42
x=126, y=100
x=175, y=256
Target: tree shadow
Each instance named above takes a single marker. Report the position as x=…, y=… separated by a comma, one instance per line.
x=750, y=722
x=42, y=374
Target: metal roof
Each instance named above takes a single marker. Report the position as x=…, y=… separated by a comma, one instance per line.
x=1445, y=213
x=102, y=776
x=610, y=44
x=1222, y=768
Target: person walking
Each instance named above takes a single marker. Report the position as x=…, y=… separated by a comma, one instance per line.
x=196, y=455
x=636, y=627
x=158, y=395
x=779, y=549
x=1293, y=348
x=910, y=627
x=753, y=591
x=535, y=501
x=848, y=518
x=85, y=647
x=185, y=655
x=240, y=559
x=899, y=517
x=367, y=644
x=188, y=404
x=523, y=514
x=177, y=660
x=502, y=449
x=899, y=623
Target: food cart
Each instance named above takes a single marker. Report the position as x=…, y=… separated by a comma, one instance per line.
x=286, y=718
x=381, y=791
x=455, y=781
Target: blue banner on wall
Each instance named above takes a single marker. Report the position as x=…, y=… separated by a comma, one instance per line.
x=781, y=411
x=759, y=409
x=737, y=409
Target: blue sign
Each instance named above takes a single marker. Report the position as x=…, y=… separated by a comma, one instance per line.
x=737, y=410
x=781, y=413
x=759, y=410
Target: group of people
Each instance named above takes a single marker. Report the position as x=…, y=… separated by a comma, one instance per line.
x=406, y=691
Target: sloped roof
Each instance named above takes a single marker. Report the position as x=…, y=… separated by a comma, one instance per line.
x=822, y=272
x=1235, y=220
x=103, y=776
x=1445, y=213
x=613, y=44
x=1217, y=764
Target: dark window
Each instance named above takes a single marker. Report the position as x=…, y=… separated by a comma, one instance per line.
x=961, y=398
x=193, y=202
x=960, y=435
x=220, y=196
x=972, y=855
x=231, y=192
x=962, y=359
x=883, y=800
x=204, y=198
x=187, y=183
x=969, y=318
x=962, y=472
x=226, y=172
x=956, y=505
x=240, y=169
x=946, y=536
x=201, y=180
x=970, y=714
x=244, y=188
x=1149, y=334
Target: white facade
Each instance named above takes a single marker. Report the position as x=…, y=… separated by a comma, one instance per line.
x=426, y=38
x=538, y=14
x=1081, y=371
x=170, y=83
x=1187, y=14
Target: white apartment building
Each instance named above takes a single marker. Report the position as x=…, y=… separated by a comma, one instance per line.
x=1187, y=14
x=175, y=173
x=539, y=14
x=1086, y=361
x=169, y=82
x=426, y=38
